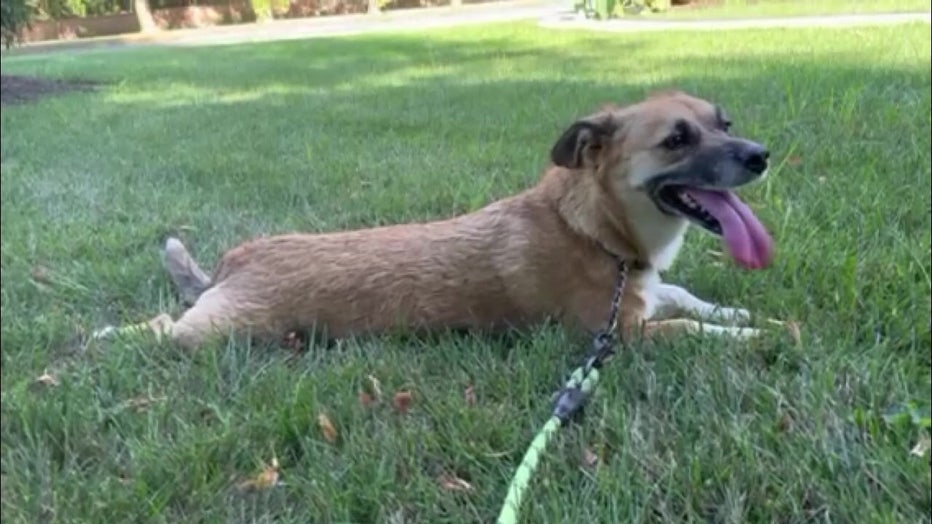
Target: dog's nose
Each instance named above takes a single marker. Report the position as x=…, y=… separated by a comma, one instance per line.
x=754, y=157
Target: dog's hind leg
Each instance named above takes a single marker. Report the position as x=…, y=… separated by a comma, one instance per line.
x=213, y=314
x=187, y=275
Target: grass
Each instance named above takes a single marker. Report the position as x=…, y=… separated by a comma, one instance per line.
x=777, y=8
x=219, y=144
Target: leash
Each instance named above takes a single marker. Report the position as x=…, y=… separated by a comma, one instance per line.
x=569, y=402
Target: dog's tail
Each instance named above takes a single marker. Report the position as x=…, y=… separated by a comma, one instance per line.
x=188, y=277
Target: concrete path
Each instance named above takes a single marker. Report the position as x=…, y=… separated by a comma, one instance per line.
x=404, y=20
x=630, y=25
x=328, y=26
x=551, y=14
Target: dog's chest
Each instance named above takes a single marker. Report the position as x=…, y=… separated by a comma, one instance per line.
x=649, y=283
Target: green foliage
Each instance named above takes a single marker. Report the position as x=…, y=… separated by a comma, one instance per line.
x=16, y=16
x=58, y=9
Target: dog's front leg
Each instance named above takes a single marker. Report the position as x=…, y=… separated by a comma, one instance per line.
x=674, y=301
x=678, y=326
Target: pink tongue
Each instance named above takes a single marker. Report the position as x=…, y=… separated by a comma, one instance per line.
x=746, y=238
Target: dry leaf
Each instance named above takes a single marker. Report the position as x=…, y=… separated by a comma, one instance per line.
x=794, y=161
x=921, y=448
x=792, y=328
x=453, y=483
x=268, y=478
x=327, y=428
x=785, y=423
x=402, y=401
x=47, y=380
x=365, y=399
x=41, y=275
x=141, y=403
x=590, y=459
x=470, y=395
x=375, y=388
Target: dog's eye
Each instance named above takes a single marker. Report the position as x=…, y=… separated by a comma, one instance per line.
x=675, y=141
x=726, y=126
x=680, y=137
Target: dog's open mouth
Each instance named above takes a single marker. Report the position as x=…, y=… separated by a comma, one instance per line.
x=721, y=212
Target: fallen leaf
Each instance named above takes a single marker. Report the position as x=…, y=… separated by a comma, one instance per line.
x=268, y=478
x=327, y=428
x=47, y=379
x=590, y=459
x=792, y=328
x=794, y=161
x=922, y=447
x=402, y=401
x=365, y=399
x=785, y=423
x=470, y=395
x=375, y=388
x=41, y=275
x=141, y=403
x=453, y=483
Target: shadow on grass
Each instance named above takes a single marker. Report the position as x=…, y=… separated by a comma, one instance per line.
x=310, y=64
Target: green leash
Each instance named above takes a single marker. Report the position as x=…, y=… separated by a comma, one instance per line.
x=569, y=402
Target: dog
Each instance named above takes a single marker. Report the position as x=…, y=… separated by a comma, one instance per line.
x=623, y=183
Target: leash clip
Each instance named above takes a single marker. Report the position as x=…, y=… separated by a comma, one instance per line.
x=569, y=403
x=603, y=348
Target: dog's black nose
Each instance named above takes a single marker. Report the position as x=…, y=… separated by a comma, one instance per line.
x=754, y=157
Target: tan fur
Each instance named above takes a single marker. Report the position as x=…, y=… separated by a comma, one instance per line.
x=540, y=254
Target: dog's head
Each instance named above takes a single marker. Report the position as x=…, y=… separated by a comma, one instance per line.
x=676, y=152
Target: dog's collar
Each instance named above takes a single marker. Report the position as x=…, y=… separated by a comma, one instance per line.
x=635, y=264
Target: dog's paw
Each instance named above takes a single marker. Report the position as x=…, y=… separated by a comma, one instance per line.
x=159, y=326
x=104, y=333
x=738, y=333
x=732, y=316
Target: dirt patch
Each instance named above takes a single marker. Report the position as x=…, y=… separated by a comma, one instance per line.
x=15, y=89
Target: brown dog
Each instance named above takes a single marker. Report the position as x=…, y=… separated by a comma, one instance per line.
x=625, y=182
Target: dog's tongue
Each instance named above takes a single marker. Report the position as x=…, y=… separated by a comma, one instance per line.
x=746, y=238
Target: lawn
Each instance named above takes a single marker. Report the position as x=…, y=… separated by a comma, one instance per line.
x=767, y=8
x=219, y=144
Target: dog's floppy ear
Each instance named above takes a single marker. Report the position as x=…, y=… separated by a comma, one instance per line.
x=580, y=145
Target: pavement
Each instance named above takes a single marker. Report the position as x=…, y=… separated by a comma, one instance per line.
x=552, y=14
x=573, y=21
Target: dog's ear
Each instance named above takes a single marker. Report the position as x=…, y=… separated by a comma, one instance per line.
x=580, y=145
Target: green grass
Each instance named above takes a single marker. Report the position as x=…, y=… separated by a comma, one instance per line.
x=768, y=8
x=219, y=144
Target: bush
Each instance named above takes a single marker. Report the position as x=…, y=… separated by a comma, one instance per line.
x=15, y=15
x=58, y=9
